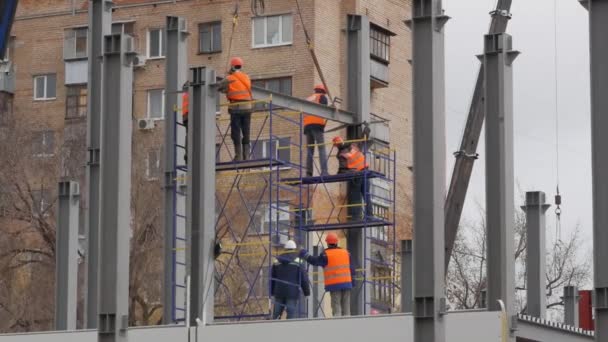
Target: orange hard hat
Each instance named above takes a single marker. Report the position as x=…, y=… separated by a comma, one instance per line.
x=236, y=61
x=338, y=140
x=331, y=239
x=320, y=87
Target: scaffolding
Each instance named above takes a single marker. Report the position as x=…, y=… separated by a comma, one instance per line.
x=264, y=201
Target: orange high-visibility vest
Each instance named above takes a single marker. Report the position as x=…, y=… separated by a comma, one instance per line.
x=239, y=88
x=337, y=270
x=311, y=119
x=185, y=105
x=355, y=159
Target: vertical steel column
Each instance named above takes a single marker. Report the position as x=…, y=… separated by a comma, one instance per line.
x=571, y=306
x=201, y=194
x=100, y=24
x=115, y=209
x=66, y=274
x=407, y=272
x=429, y=169
x=536, y=280
x=500, y=207
x=317, y=288
x=598, y=26
x=176, y=73
x=359, y=96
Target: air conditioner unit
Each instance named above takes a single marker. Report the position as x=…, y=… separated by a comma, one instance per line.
x=139, y=61
x=145, y=124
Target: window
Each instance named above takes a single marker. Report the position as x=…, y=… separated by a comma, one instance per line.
x=262, y=149
x=75, y=43
x=44, y=87
x=381, y=288
x=44, y=144
x=210, y=37
x=272, y=30
x=279, y=85
x=380, y=43
x=156, y=104
x=153, y=164
x=276, y=222
x=6, y=108
x=156, y=43
x=126, y=28
x=76, y=102
x=41, y=201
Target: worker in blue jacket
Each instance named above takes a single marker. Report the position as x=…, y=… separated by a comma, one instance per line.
x=288, y=276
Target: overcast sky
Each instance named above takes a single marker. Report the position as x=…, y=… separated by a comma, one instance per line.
x=532, y=28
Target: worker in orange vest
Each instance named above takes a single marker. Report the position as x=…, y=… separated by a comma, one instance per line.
x=314, y=129
x=185, y=110
x=237, y=87
x=338, y=274
x=351, y=159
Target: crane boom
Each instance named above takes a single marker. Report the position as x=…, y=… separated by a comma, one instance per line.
x=7, y=14
x=466, y=156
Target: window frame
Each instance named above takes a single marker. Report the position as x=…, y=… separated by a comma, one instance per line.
x=70, y=42
x=162, y=107
x=256, y=82
x=78, y=97
x=46, y=88
x=211, y=25
x=265, y=18
x=382, y=37
x=162, y=43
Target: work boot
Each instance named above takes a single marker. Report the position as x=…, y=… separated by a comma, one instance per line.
x=246, y=151
x=238, y=152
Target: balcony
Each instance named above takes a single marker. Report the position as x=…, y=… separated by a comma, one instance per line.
x=7, y=77
x=379, y=74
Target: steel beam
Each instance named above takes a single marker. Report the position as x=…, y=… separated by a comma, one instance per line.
x=200, y=221
x=467, y=154
x=500, y=208
x=571, y=306
x=406, y=276
x=66, y=252
x=100, y=24
x=598, y=26
x=536, y=275
x=359, y=96
x=176, y=73
x=115, y=209
x=428, y=62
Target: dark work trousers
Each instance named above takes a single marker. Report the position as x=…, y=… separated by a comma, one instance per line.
x=240, y=124
x=315, y=136
x=358, y=189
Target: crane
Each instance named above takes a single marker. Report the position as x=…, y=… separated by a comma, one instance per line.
x=467, y=154
x=7, y=15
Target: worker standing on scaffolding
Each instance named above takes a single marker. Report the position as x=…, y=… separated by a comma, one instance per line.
x=338, y=274
x=185, y=111
x=314, y=129
x=237, y=87
x=288, y=276
x=351, y=159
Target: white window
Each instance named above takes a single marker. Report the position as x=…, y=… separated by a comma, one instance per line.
x=156, y=43
x=45, y=87
x=274, y=30
x=75, y=43
x=153, y=164
x=262, y=149
x=156, y=104
x=44, y=144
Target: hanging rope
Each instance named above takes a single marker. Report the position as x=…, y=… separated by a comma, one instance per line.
x=558, y=196
x=235, y=20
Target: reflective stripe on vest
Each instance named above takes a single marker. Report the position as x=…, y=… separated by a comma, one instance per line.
x=337, y=270
x=185, y=105
x=239, y=89
x=355, y=159
x=311, y=119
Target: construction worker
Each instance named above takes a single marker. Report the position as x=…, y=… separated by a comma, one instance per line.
x=237, y=87
x=288, y=276
x=314, y=129
x=338, y=274
x=185, y=110
x=351, y=159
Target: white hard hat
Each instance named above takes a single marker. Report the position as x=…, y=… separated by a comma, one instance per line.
x=290, y=244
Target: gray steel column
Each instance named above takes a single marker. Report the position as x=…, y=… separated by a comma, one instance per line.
x=359, y=96
x=100, y=24
x=201, y=194
x=176, y=73
x=536, y=275
x=407, y=273
x=598, y=26
x=66, y=251
x=500, y=207
x=428, y=62
x=115, y=209
x=317, y=289
x=571, y=306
